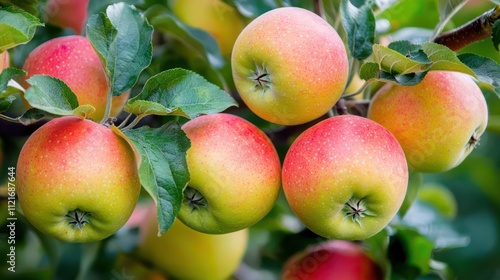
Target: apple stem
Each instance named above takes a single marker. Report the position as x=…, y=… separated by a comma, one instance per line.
x=194, y=199
x=475, y=30
x=77, y=218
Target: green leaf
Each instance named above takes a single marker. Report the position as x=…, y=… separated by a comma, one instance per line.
x=395, y=63
x=34, y=115
x=5, y=102
x=122, y=39
x=29, y=6
x=179, y=92
x=414, y=184
x=410, y=253
x=486, y=70
x=496, y=34
x=200, y=42
x=7, y=74
x=16, y=27
x=444, y=58
x=53, y=96
x=254, y=8
x=360, y=27
x=163, y=169
x=369, y=70
x=439, y=197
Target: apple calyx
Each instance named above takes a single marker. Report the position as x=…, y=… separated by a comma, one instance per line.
x=473, y=141
x=194, y=199
x=261, y=77
x=77, y=218
x=356, y=209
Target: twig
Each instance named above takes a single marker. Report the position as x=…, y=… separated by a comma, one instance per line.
x=473, y=31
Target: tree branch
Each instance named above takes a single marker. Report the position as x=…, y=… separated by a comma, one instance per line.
x=473, y=31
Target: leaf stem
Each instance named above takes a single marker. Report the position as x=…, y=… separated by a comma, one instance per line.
x=360, y=90
x=475, y=30
x=109, y=100
x=125, y=121
x=9, y=119
x=134, y=122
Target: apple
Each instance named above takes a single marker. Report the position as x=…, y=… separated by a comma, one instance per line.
x=67, y=14
x=73, y=60
x=289, y=66
x=235, y=174
x=438, y=122
x=333, y=259
x=77, y=181
x=217, y=18
x=4, y=60
x=185, y=253
x=345, y=177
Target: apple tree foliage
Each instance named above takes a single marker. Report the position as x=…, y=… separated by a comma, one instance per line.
x=176, y=72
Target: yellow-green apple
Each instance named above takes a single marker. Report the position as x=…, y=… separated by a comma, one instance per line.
x=67, y=13
x=235, y=174
x=333, y=259
x=217, y=18
x=77, y=181
x=4, y=60
x=185, y=253
x=289, y=66
x=438, y=122
x=73, y=60
x=345, y=177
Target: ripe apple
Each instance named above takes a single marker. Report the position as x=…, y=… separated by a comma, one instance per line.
x=333, y=259
x=217, y=18
x=234, y=174
x=73, y=60
x=345, y=177
x=438, y=122
x=67, y=13
x=77, y=181
x=185, y=253
x=4, y=60
x=289, y=66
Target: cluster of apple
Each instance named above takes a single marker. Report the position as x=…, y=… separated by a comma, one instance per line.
x=345, y=177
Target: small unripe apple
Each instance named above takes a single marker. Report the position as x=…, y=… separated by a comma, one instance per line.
x=4, y=60
x=77, y=181
x=67, y=13
x=73, y=60
x=185, y=253
x=345, y=177
x=235, y=174
x=438, y=122
x=333, y=259
x=289, y=66
x=214, y=16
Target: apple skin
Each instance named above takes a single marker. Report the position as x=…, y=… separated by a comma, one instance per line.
x=339, y=162
x=333, y=259
x=433, y=120
x=4, y=60
x=217, y=18
x=73, y=60
x=71, y=163
x=185, y=253
x=235, y=168
x=304, y=62
x=67, y=14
